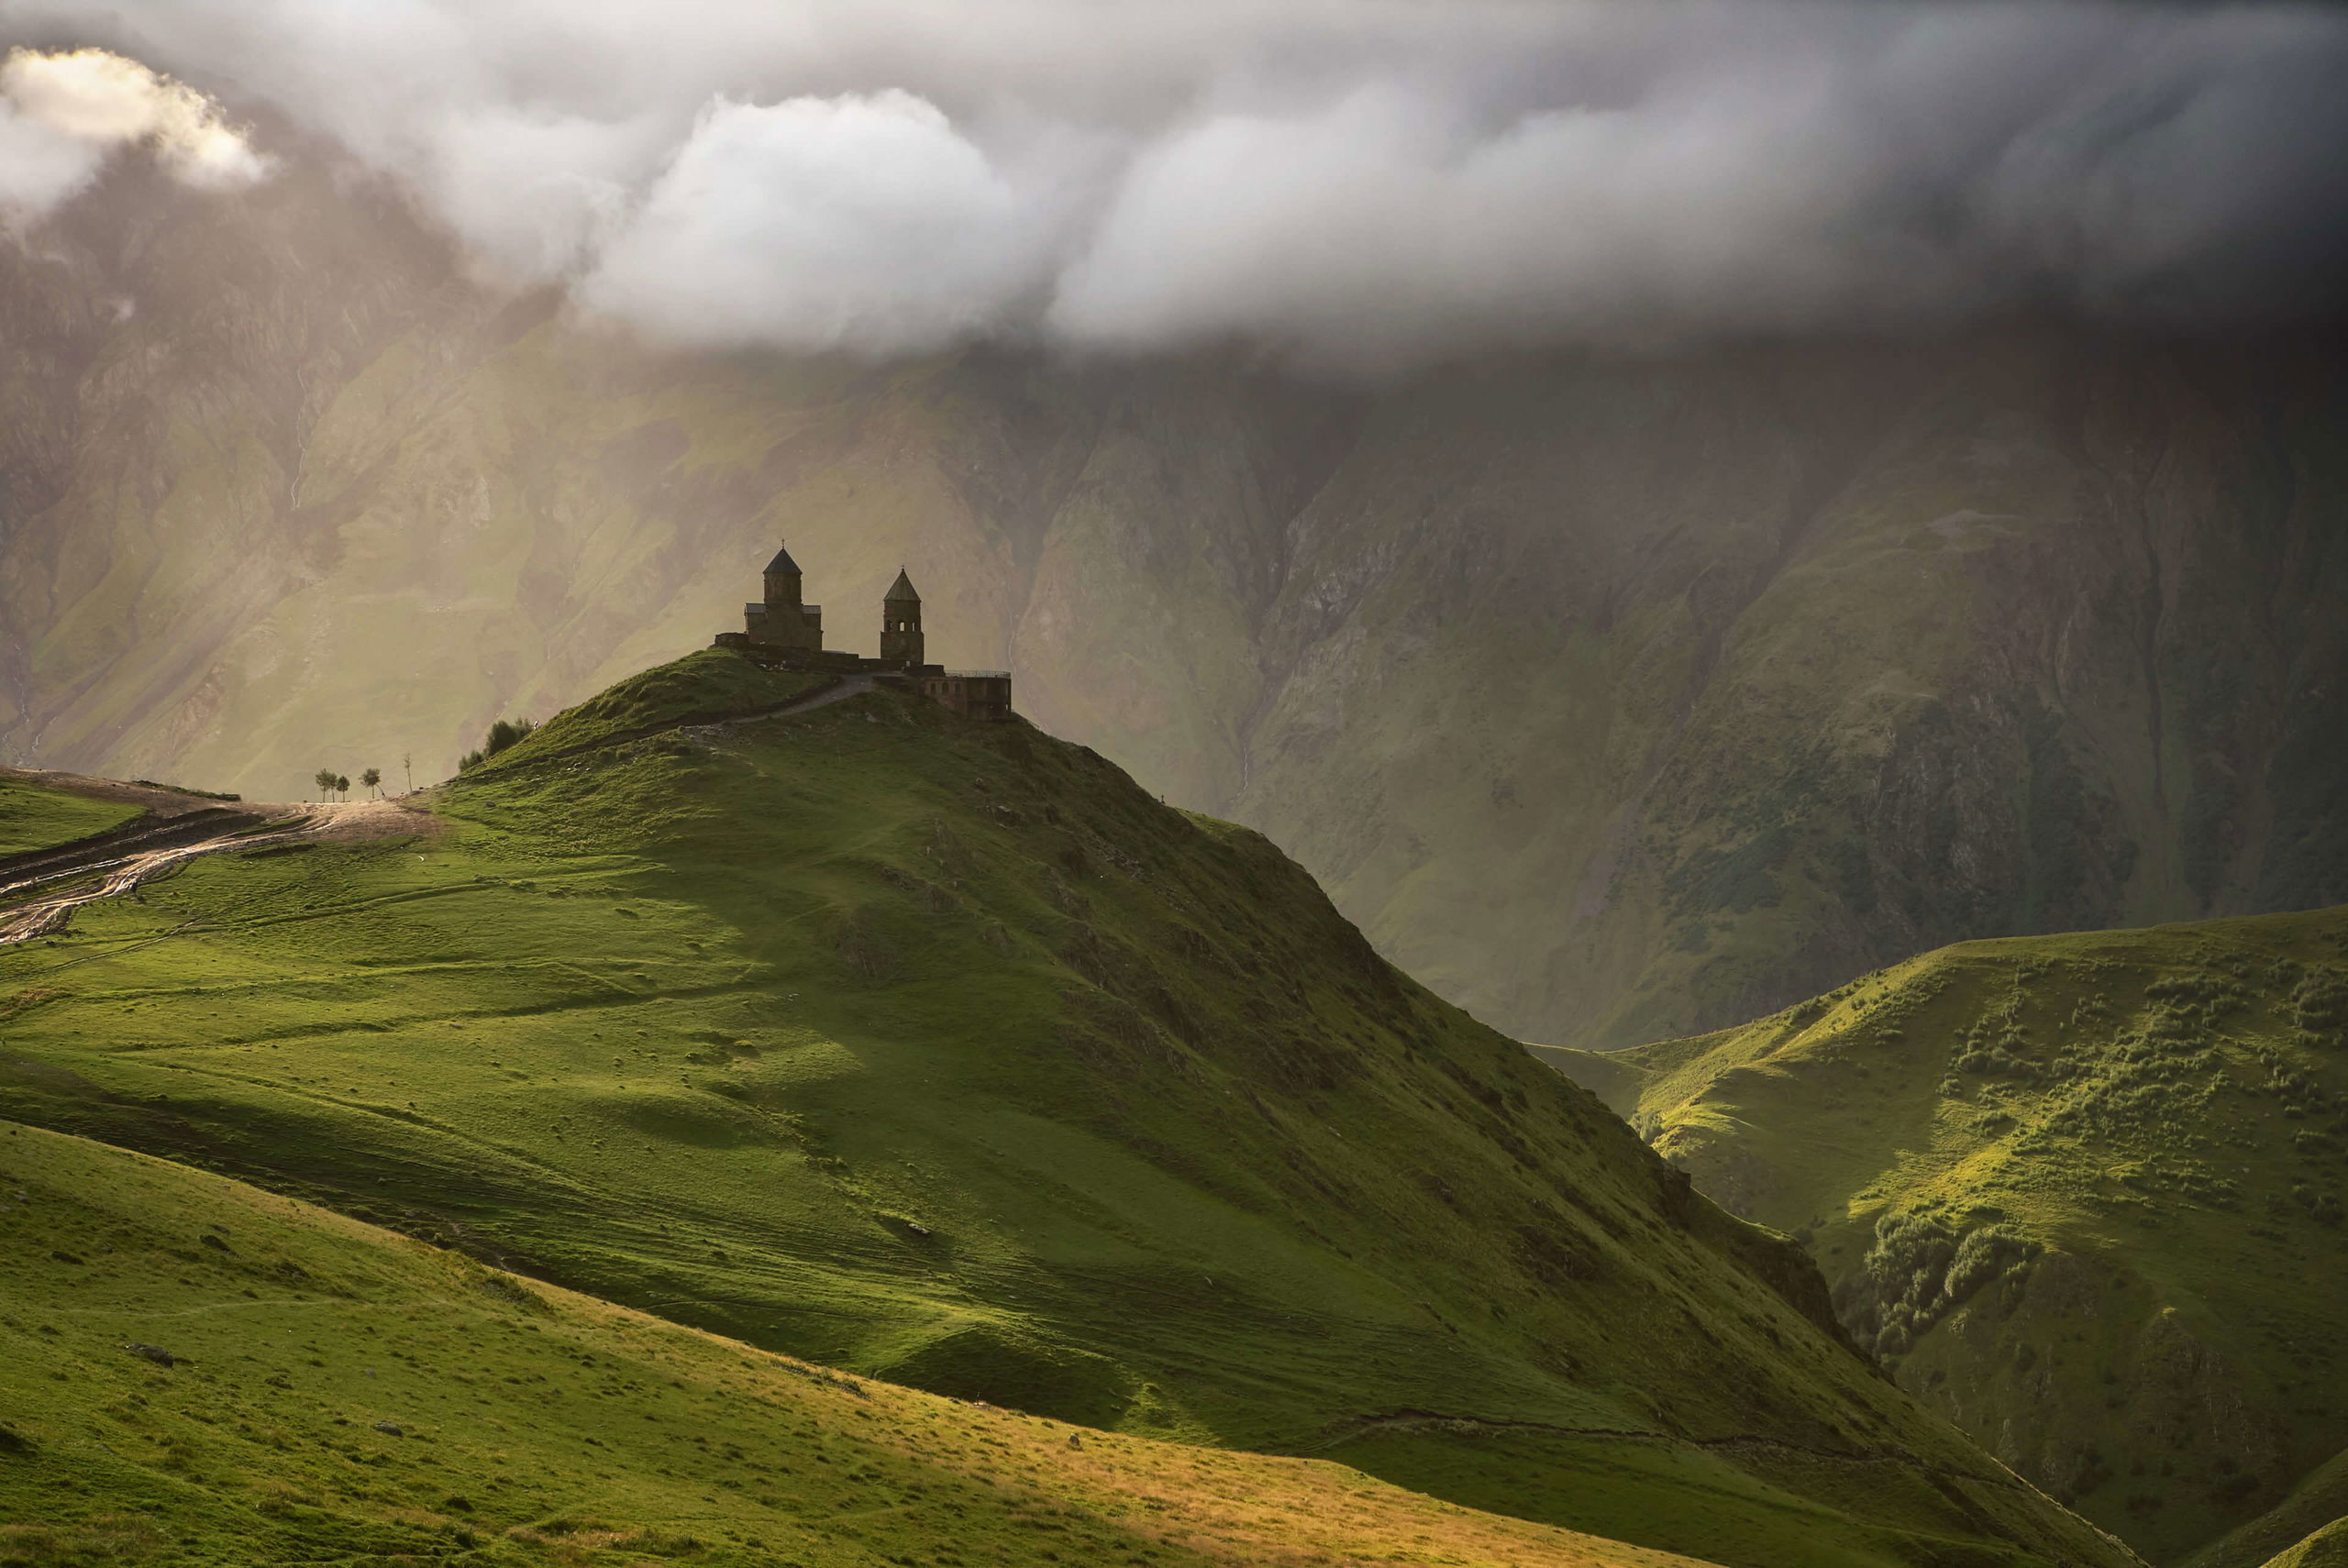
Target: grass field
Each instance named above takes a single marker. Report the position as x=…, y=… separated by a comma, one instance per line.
x=314, y=1389
x=941, y=1052
x=34, y=817
x=2083, y=1192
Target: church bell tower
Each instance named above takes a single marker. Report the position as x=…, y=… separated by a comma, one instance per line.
x=785, y=586
x=901, y=639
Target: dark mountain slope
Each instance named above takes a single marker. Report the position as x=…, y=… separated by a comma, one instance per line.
x=2082, y=1193
x=2309, y=1528
x=942, y=1051
x=1619, y=702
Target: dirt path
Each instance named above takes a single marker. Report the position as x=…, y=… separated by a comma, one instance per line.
x=40, y=891
x=839, y=691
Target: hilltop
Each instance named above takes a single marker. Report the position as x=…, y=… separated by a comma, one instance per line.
x=2082, y=1194
x=941, y=1052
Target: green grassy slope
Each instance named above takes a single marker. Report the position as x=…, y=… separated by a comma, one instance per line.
x=2082, y=1193
x=337, y=1393
x=2327, y=1548
x=34, y=817
x=942, y=1051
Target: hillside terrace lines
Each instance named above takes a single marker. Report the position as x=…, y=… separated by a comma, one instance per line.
x=376, y=902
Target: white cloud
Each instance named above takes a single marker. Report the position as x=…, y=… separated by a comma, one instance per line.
x=40, y=168
x=863, y=223
x=1351, y=182
x=534, y=192
x=61, y=113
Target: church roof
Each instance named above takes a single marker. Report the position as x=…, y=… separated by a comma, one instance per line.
x=782, y=562
x=900, y=590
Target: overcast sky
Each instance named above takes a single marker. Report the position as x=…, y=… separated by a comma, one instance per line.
x=1343, y=183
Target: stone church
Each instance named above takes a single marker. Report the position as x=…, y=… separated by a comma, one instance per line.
x=785, y=629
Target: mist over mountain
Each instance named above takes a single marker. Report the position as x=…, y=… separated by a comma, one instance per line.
x=1367, y=187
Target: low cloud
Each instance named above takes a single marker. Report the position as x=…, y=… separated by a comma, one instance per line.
x=63, y=114
x=858, y=223
x=1357, y=183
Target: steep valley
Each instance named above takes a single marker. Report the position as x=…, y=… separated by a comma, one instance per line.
x=1615, y=698
x=941, y=1052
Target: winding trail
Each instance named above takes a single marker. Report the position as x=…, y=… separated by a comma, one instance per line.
x=39, y=890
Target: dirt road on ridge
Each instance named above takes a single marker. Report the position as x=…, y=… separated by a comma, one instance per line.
x=41, y=890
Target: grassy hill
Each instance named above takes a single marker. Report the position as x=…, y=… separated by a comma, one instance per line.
x=33, y=817
x=195, y=1372
x=2082, y=1193
x=942, y=1052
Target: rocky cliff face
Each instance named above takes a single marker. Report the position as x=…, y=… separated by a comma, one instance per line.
x=1619, y=700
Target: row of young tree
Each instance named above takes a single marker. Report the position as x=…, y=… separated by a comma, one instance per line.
x=502, y=734
x=330, y=782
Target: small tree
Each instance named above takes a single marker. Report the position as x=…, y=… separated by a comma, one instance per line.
x=324, y=780
x=343, y=786
x=373, y=780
